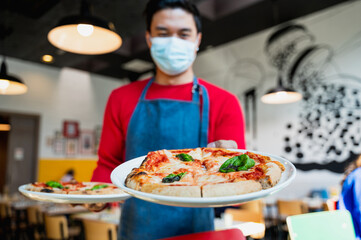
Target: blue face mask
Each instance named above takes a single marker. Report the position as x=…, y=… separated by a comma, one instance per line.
x=172, y=55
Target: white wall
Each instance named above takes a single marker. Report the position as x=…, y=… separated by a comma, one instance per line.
x=57, y=95
x=243, y=64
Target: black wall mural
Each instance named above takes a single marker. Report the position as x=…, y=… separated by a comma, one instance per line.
x=327, y=132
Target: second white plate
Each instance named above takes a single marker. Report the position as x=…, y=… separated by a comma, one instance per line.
x=72, y=198
x=120, y=173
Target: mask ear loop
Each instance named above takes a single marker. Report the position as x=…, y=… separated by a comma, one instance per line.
x=196, y=43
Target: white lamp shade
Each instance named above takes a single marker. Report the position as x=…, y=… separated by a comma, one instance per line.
x=8, y=87
x=100, y=41
x=281, y=97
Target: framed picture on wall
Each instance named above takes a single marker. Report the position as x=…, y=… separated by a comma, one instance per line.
x=70, y=129
x=71, y=146
x=59, y=145
x=87, y=142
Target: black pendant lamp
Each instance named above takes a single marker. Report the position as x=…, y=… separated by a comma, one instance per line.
x=85, y=34
x=281, y=95
x=9, y=84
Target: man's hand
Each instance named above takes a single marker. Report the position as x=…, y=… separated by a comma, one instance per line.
x=223, y=144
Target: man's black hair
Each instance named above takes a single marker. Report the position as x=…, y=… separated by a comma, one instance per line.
x=154, y=6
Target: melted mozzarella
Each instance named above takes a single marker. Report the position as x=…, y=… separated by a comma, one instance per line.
x=211, y=179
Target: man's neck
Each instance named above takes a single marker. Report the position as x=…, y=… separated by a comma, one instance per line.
x=164, y=79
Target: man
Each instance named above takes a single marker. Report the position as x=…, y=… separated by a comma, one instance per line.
x=173, y=110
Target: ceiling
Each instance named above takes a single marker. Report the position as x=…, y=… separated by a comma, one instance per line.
x=25, y=24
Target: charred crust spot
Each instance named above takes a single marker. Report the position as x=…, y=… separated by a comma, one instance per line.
x=141, y=173
x=47, y=190
x=145, y=159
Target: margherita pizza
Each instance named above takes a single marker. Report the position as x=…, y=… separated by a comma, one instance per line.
x=74, y=187
x=204, y=172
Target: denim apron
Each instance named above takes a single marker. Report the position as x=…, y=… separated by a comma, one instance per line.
x=165, y=124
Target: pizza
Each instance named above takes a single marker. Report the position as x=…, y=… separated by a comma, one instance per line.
x=74, y=187
x=204, y=172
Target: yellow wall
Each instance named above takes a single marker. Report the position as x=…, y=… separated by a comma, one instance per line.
x=54, y=169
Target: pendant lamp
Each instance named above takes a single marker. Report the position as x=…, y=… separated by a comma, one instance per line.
x=10, y=85
x=4, y=124
x=281, y=95
x=85, y=34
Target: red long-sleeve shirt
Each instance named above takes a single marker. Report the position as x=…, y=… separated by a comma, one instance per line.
x=225, y=119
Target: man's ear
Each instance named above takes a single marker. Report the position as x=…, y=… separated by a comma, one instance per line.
x=147, y=39
x=199, y=37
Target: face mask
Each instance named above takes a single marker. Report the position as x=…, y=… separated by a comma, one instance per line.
x=172, y=55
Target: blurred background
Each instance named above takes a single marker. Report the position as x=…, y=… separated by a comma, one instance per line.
x=53, y=124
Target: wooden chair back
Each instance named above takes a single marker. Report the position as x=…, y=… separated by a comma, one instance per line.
x=247, y=215
x=290, y=208
x=5, y=210
x=56, y=227
x=95, y=230
x=33, y=215
x=256, y=206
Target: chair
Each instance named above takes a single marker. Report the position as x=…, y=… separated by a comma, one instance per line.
x=256, y=205
x=229, y=234
x=290, y=208
x=248, y=215
x=56, y=227
x=96, y=230
x=330, y=225
x=7, y=221
x=35, y=223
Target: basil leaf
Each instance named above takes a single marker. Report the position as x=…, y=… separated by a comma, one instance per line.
x=248, y=164
x=238, y=163
x=230, y=165
x=173, y=177
x=54, y=184
x=96, y=187
x=184, y=157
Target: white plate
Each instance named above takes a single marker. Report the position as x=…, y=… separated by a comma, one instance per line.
x=72, y=198
x=120, y=173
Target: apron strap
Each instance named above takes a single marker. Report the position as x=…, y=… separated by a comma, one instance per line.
x=204, y=117
x=197, y=90
x=145, y=90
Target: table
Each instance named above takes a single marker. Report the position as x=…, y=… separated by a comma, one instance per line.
x=247, y=228
x=108, y=216
x=63, y=209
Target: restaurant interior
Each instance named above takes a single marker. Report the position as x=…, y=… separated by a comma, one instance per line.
x=293, y=65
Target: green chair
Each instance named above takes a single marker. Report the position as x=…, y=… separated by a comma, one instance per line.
x=330, y=225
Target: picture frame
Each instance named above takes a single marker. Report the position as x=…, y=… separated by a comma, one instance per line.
x=59, y=145
x=71, y=146
x=70, y=129
x=87, y=142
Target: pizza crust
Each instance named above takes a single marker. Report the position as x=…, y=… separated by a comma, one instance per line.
x=169, y=190
x=229, y=189
x=273, y=175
